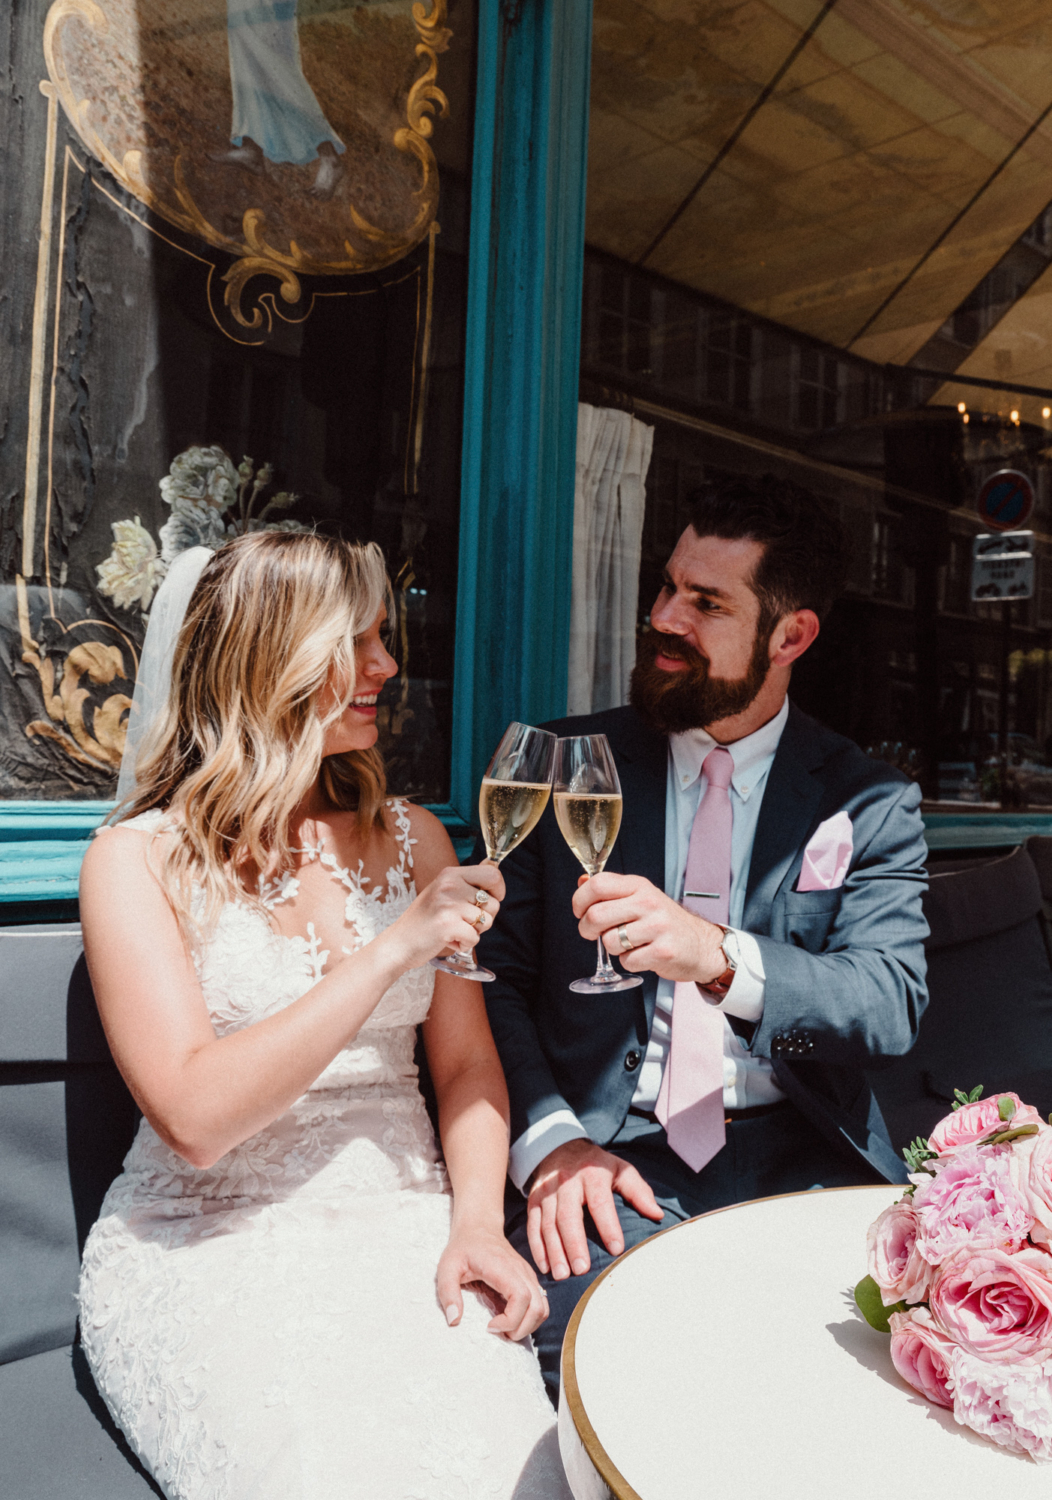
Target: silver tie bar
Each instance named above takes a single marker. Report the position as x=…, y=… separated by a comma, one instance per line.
x=704, y=895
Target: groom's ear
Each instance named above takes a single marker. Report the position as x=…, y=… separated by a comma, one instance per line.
x=792, y=636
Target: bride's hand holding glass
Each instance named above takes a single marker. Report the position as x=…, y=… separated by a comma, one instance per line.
x=514, y=793
x=448, y=913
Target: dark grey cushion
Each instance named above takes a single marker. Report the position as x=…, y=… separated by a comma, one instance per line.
x=57, y=1440
x=66, y=1121
x=1039, y=848
x=989, y=1018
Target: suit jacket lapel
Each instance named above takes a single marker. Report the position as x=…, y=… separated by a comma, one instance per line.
x=790, y=801
x=642, y=766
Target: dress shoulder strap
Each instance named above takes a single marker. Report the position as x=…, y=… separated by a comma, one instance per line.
x=150, y=821
x=402, y=829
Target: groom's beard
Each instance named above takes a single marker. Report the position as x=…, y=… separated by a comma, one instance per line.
x=672, y=702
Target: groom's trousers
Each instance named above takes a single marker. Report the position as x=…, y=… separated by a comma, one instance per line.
x=771, y=1151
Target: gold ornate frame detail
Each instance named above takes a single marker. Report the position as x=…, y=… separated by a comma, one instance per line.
x=255, y=255
x=65, y=724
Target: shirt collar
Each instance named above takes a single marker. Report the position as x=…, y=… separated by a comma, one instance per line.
x=752, y=755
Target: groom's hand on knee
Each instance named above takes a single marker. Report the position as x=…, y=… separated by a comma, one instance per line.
x=573, y=1177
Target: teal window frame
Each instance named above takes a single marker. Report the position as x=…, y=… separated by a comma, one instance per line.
x=526, y=267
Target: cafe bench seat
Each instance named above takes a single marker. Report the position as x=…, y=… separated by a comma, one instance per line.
x=66, y=1122
x=989, y=1016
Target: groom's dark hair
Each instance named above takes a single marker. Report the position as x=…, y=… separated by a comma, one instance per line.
x=804, y=556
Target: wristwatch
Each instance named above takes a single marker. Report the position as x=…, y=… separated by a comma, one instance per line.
x=715, y=991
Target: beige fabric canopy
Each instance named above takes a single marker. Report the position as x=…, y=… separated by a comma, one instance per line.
x=858, y=199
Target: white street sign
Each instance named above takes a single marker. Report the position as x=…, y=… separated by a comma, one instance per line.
x=1003, y=565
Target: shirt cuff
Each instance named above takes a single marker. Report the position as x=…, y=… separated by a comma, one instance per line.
x=745, y=997
x=533, y=1145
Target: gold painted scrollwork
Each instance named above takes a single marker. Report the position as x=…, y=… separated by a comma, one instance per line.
x=255, y=255
x=64, y=705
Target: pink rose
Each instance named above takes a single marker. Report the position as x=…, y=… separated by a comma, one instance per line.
x=1034, y=1159
x=973, y=1122
x=921, y=1353
x=895, y=1263
x=996, y=1306
x=1012, y=1404
x=975, y=1200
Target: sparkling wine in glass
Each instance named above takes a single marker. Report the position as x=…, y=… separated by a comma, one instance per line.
x=588, y=812
x=514, y=793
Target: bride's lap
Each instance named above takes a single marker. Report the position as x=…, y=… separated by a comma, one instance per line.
x=299, y=1350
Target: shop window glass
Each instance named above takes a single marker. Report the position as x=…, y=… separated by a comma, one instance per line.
x=846, y=264
x=322, y=355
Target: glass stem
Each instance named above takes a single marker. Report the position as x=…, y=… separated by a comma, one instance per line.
x=605, y=971
x=467, y=960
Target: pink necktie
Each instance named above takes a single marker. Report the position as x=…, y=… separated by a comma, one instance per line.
x=690, y=1103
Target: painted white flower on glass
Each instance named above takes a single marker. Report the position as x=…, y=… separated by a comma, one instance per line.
x=193, y=523
x=133, y=569
x=201, y=474
x=211, y=502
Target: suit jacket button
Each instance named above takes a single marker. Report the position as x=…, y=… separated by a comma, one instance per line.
x=632, y=1061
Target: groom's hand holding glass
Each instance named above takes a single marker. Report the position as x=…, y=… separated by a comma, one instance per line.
x=662, y=936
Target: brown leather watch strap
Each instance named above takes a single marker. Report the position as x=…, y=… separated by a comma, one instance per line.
x=717, y=988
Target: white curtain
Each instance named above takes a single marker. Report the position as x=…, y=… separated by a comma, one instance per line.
x=613, y=455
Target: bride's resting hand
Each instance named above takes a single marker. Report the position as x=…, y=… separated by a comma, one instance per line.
x=485, y=1256
x=447, y=914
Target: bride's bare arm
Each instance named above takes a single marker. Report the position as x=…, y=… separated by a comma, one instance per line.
x=203, y=1094
x=473, y=1123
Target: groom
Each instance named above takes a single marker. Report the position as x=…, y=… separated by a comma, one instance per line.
x=766, y=884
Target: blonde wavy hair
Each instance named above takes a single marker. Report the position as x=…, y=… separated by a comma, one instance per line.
x=239, y=743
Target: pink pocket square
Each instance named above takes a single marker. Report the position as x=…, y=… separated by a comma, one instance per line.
x=827, y=856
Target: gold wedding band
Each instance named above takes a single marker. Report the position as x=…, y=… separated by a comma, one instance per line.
x=626, y=941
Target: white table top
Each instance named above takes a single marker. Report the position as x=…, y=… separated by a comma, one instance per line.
x=725, y=1358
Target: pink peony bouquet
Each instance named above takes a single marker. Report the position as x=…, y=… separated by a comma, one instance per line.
x=960, y=1271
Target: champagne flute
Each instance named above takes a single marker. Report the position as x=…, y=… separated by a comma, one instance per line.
x=514, y=793
x=588, y=812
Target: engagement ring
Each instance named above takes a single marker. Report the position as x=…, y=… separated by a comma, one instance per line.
x=626, y=941
x=481, y=899
x=480, y=921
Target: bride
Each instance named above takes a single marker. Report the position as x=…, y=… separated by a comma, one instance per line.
x=285, y=1296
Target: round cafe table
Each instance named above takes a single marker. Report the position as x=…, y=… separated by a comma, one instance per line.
x=725, y=1357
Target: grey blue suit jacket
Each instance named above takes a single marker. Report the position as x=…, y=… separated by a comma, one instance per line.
x=845, y=968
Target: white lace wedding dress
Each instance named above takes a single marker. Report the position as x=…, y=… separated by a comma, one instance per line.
x=268, y=1328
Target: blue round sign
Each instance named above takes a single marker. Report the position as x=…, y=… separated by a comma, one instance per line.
x=1005, y=500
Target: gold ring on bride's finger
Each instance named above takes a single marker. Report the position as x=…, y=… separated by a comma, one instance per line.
x=626, y=941
x=481, y=899
x=480, y=921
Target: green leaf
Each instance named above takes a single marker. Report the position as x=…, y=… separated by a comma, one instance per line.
x=917, y=1154
x=1009, y=1135
x=977, y=1093
x=1005, y=1107
x=869, y=1303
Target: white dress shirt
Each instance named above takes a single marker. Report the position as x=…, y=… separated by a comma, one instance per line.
x=747, y=1080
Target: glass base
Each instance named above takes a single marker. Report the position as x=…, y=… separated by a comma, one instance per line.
x=463, y=969
x=604, y=986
